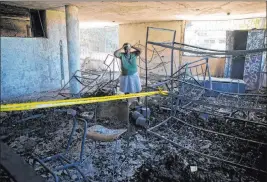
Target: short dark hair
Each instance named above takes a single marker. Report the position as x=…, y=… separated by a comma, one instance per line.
x=126, y=43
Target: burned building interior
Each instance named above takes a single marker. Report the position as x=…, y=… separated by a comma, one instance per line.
x=201, y=115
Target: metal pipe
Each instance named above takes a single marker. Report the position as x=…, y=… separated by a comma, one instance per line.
x=218, y=133
x=164, y=29
x=227, y=106
x=146, y=64
x=43, y=164
x=187, y=45
x=66, y=166
x=51, y=158
x=196, y=65
x=226, y=117
x=172, y=51
x=235, y=53
x=70, y=137
x=83, y=137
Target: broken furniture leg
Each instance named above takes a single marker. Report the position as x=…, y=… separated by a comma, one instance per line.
x=62, y=156
x=102, y=134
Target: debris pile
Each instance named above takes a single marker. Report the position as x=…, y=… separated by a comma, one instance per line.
x=140, y=156
x=197, y=144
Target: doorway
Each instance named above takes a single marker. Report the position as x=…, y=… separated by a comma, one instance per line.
x=238, y=62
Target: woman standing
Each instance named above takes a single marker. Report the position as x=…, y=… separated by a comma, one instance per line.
x=129, y=79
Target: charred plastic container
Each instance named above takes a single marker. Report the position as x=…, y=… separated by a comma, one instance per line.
x=140, y=120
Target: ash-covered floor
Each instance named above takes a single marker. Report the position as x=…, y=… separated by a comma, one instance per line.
x=140, y=155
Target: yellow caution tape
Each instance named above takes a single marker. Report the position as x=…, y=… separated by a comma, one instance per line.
x=57, y=103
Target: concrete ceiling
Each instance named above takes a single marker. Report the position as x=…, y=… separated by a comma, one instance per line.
x=129, y=12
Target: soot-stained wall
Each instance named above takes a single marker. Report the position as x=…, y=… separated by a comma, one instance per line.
x=30, y=65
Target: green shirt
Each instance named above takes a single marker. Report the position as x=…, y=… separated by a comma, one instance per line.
x=128, y=63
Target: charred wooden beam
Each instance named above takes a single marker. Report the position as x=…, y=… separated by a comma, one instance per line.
x=16, y=167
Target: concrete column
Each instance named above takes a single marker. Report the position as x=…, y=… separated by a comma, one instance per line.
x=73, y=40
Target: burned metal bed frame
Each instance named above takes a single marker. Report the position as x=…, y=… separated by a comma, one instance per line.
x=192, y=93
x=97, y=81
x=92, y=82
x=161, y=129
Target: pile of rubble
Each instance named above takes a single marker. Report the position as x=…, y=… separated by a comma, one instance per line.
x=140, y=156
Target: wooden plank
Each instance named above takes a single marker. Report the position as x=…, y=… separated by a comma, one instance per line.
x=18, y=169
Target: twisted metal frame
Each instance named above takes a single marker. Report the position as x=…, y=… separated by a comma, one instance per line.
x=92, y=82
x=66, y=164
x=189, y=92
x=232, y=157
